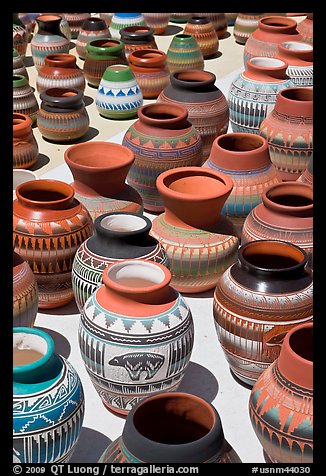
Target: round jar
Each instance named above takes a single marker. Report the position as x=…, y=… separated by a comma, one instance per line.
x=92, y=29
x=204, y=33
x=158, y=21
x=137, y=37
x=123, y=20
x=60, y=71
x=75, y=21
x=25, y=148
x=184, y=53
x=24, y=100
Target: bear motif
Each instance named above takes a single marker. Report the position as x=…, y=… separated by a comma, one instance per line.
x=136, y=363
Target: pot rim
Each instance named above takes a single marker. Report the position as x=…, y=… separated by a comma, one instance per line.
x=99, y=228
x=179, y=113
x=207, y=77
x=154, y=56
x=42, y=184
x=20, y=369
x=269, y=203
x=283, y=23
x=24, y=122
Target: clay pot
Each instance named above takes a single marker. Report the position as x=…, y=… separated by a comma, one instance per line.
x=48, y=400
x=162, y=138
x=146, y=334
x=151, y=72
x=24, y=100
x=119, y=95
x=244, y=25
x=21, y=176
x=91, y=29
x=75, y=21
x=25, y=293
x=288, y=129
x=107, y=17
x=60, y=71
x=118, y=235
x=299, y=57
x=218, y=20
x=48, y=39
x=199, y=241
x=286, y=213
x=158, y=21
x=188, y=430
x=25, y=148
x=307, y=175
x=207, y=106
x=306, y=29
x=245, y=158
x=64, y=25
x=184, y=53
x=271, y=31
x=49, y=224
x=100, y=54
x=62, y=116
x=180, y=17
x=253, y=92
x=123, y=20
x=281, y=401
x=137, y=37
x=99, y=170
x=204, y=33
x=257, y=300
x=18, y=67
x=20, y=36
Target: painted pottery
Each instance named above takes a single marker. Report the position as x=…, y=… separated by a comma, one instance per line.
x=20, y=36
x=60, y=71
x=158, y=21
x=118, y=236
x=64, y=25
x=75, y=21
x=48, y=400
x=218, y=20
x=184, y=53
x=25, y=293
x=306, y=28
x=204, y=33
x=299, y=57
x=162, y=138
x=122, y=20
x=281, y=401
x=118, y=95
x=151, y=71
x=143, y=333
x=49, y=225
x=253, y=92
x=93, y=28
x=21, y=176
x=24, y=99
x=288, y=129
x=307, y=175
x=188, y=430
x=62, y=116
x=18, y=66
x=199, y=241
x=99, y=170
x=107, y=17
x=48, y=39
x=207, y=106
x=244, y=25
x=286, y=213
x=25, y=148
x=267, y=292
x=136, y=38
x=100, y=54
x=231, y=18
x=271, y=31
x=245, y=158
x=180, y=17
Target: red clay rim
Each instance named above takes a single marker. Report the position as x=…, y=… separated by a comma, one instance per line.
x=268, y=195
x=147, y=56
x=45, y=184
x=287, y=338
x=21, y=122
x=274, y=22
x=49, y=17
x=179, y=113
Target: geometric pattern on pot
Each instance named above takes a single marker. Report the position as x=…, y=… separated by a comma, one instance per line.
x=122, y=97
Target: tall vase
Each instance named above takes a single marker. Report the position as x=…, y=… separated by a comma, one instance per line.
x=25, y=147
x=49, y=225
x=202, y=29
x=199, y=241
x=20, y=36
x=25, y=293
x=24, y=99
x=93, y=28
x=117, y=236
x=60, y=71
x=146, y=334
x=288, y=129
x=99, y=170
x=306, y=28
x=299, y=57
x=257, y=300
x=281, y=401
x=184, y=53
x=188, y=430
x=48, y=400
x=162, y=138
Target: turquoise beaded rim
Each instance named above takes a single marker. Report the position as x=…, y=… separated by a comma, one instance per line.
x=20, y=369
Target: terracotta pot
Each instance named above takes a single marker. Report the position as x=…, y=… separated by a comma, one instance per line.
x=123, y=20
x=75, y=21
x=158, y=21
x=25, y=148
x=48, y=400
x=286, y=213
x=99, y=170
x=271, y=31
x=253, y=92
x=137, y=37
x=306, y=29
x=48, y=39
x=307, y=175
x=204, y=33
x=18, y=66
x=184, y=53
x=20, y=36
x=257, y=300
x=281, y=401
x=188, y=430
x=207, y=106
x=100, y=54
x=118, y=235
x=24, y=100
x=92, y=28
x=64, y=25
x=245, y=158
x=288, y=129
x=199, y=241
x=60, y=71
x=299, y=57
x=147, y=334
x=150, y=69
x=218, y=20
x=162, y=138
x=62, y=116
x=25, y=293
x=21, y=176
x=49, y=224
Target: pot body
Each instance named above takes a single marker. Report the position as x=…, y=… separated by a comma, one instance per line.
x=75, y=21
x=204, y=33
x=157, y=21
x=64, y=25
x=184, y=53
x=25, y=293
x=18, y=66
x=123, y=20
x=60, y=71
x=244, y=25
x=306, y=29
x=92, y=29
x=20, y=36
x=24, y=100
x=218, y=20
x=137, y=38
x=25, y=148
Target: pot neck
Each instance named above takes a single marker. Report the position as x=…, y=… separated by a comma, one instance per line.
x=289, y=198
x=65, y=99
x=45, y=194
x=60, y=61
x=49, y=24
x=266, y=69
x=147, y=58
x=295, y=102
x=295, y=52
x=164, y=116
x=137, y=34
x=194, y=80
x=278, y=25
